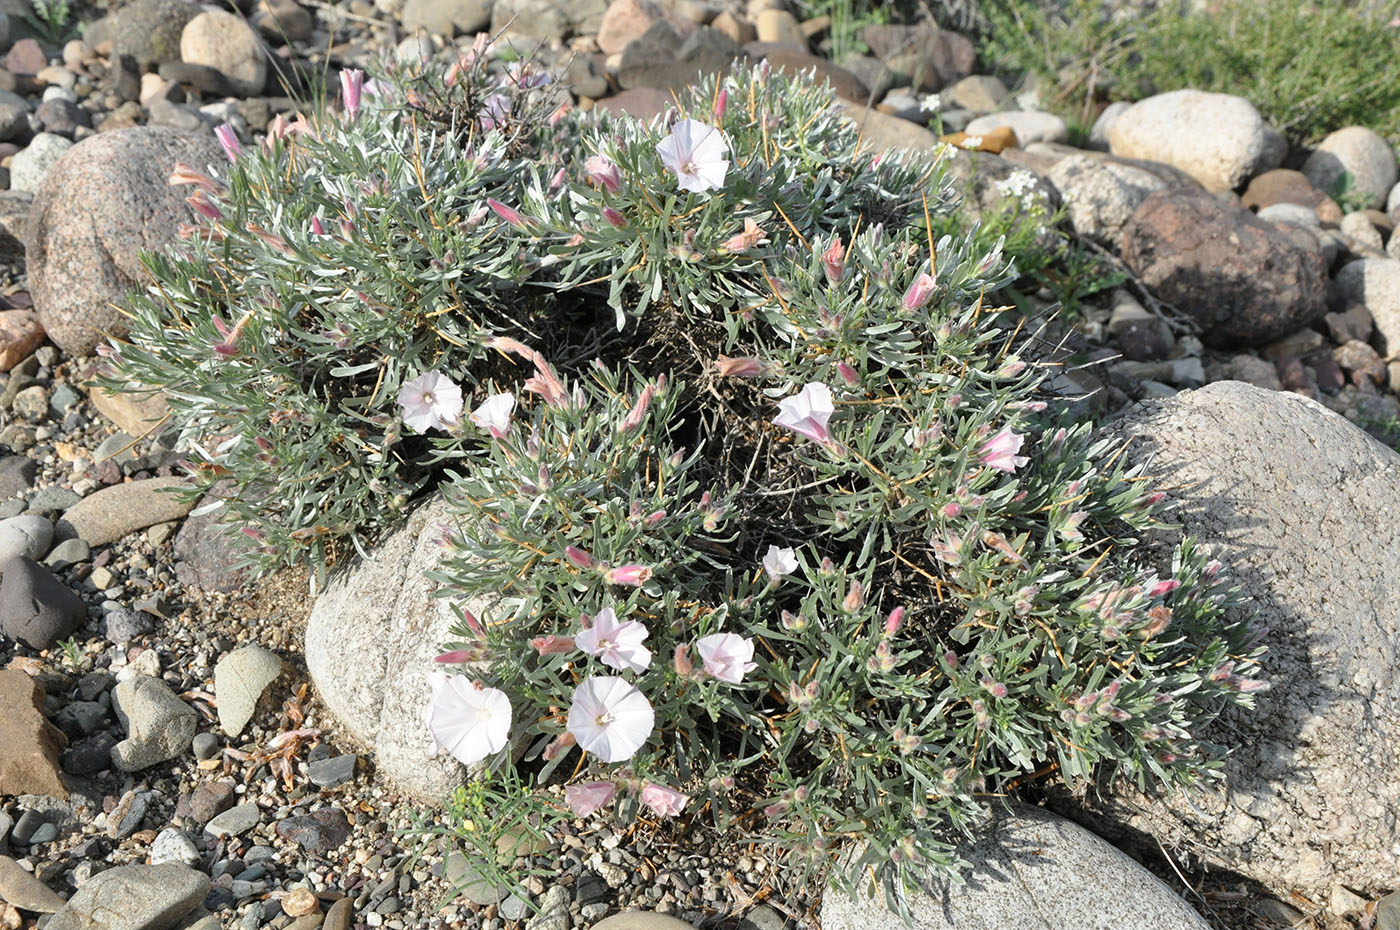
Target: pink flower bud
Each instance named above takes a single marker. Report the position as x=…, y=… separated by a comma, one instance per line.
x=919, y=292
x=455, y=657
x=506, y=213
x=229, y=140
x=855, y=598
x=721, y=101
x=681, y=661
x=635, y=575
x=655, y=517
x=834, y=261
x=201, y=205
x=614, y=218
x=894, y=621
x=184, y=174
x=741, y=367
x=847, y=373
x=552, y=645
x=352, y=82
x=578, y=557
x=1163, y=588
x=317, y=229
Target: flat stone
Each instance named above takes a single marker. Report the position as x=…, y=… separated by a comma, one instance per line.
x=134, y=897
x=111, y=513
x=24, y=891
x=641, y=920
x=20, y=334
x=235, y=821
x=239, y=680
x=16, y=475
x=321, y=831
x=211, y=799
x=29, y=744
x=333, y=772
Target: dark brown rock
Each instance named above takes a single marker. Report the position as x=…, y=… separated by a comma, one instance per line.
x=210, y=800
x=1286, y=186
x=320, y=831
x=930, y=57
x=100, y=206
x=1244, y=281
x=781, y=57
x=29, y=744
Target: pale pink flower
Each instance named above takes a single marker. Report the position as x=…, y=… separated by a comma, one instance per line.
x=919, y=292
x=665, y=802
x=317, y=227
x=610, y=718
x=617, y=645
x=999, y=452
x=229, y=140
x=202, y=205
x=634, y=575
x=750, y=237
x=695, y=152
x=545, y=382
x=493, y=415
x=615, y=219
x=352, y=82
x=721, y=102
x=430, y=400
x=726, y=656
x=467, y=719
x=585, y=799
x=578, y=557
x=807, y=412
x=779, y=562
x=603, y=173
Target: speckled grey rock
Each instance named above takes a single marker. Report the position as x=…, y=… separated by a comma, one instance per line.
x=1100, y=194
x=32, y=164
x=1029, y=125
x=109, y=514
x=108, y=199
x=370, y=643
x=134, y=897
x=159, y=725
x=239, y=680
x=147, y=30
x=174, y=845
x=447, y=17
x=1032, y=871
x=1302, y=507
x=27, y=534
x=1218, y=139
x=234, y=821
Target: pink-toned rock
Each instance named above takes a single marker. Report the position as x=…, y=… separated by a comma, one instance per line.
x=20, y=334
x=29, y=744
x=794, y=61
x=26, y=58
x=736, y=27
x=641, y=103
x=626, y=20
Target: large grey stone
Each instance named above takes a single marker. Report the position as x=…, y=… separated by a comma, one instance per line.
x=32, y=164
x=1100, y=194
x=24, y=891
x=1218, y=139
x=1301, y=506
x=1359, y=154
x=239, y=680
x=101, y=205
x=1030, y=126
x=370, y=643
x=134, y=897
x=158, y=724
x=447, y=17
x=113, y=512
x=1033, y=871
x=147, y=30
x=544, y=20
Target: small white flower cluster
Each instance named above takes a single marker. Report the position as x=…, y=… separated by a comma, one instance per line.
x=972, y=143
x=1022, y=183
x=931, y=104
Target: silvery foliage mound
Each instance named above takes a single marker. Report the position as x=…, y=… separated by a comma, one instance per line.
x=963, y=607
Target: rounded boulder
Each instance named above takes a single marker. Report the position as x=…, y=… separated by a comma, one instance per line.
x=1354, y=162
x=101, y=205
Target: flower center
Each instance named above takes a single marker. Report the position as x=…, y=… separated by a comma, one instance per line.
x=429, y=397
x=604, y=718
